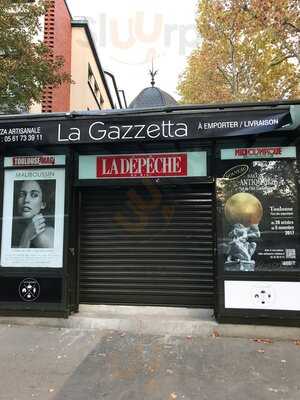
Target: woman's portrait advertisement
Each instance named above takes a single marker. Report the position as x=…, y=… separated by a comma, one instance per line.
x=33, y=218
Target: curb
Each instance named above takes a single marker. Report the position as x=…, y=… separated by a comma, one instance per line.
x=156, y=321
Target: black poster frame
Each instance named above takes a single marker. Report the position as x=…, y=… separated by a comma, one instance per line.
x=255, y=316
x=59, y=307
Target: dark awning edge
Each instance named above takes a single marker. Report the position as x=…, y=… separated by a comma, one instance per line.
x=186, y=108
x=112, y=127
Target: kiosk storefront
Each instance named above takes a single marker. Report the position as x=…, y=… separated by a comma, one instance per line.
x=148, y=243
x=148, y=208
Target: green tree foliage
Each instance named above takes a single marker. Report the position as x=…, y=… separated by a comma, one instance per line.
x=27, y=65
x=249, y=51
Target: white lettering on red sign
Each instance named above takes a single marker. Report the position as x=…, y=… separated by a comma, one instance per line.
x=33, y=160
x=145, y=165
x=259, y=151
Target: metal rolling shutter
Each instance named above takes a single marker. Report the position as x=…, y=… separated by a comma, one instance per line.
x=163, y=256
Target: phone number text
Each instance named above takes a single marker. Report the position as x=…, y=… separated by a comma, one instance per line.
x=22, y=138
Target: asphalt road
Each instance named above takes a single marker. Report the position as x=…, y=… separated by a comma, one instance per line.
x=64, y=364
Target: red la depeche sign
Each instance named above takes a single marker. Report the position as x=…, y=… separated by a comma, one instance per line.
x=142, y=165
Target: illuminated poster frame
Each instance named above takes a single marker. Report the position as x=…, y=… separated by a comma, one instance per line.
x=257, y=210
x=33, y=218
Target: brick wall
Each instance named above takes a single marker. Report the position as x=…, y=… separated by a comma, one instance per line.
x=58, y=36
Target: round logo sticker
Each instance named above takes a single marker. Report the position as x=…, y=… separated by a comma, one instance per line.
x=29, y=289
x=236, y=172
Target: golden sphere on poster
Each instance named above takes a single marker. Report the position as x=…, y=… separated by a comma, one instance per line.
x=243, y=208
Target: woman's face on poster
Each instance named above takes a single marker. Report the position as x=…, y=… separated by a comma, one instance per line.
x=30, y=199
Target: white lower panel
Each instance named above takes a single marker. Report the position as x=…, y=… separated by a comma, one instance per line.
x=262, y=295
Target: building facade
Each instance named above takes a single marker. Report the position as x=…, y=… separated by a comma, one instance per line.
x=73, y=40
x=191, y=206
x=89, y=90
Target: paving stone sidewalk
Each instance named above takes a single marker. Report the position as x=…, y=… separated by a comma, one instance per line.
x=71, y=364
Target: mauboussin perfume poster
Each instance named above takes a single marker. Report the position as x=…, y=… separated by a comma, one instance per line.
x=257, y=215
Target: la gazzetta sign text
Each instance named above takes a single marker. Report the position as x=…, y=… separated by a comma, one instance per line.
x=141, y=128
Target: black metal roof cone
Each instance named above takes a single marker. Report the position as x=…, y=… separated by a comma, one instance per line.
x=152, y=96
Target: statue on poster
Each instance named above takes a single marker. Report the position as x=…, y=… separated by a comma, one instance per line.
x=244, y=211
x=258, y=222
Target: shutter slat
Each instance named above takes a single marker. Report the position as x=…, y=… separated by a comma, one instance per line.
x=150, y=256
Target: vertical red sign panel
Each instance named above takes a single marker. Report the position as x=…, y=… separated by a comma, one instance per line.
x=142, y=165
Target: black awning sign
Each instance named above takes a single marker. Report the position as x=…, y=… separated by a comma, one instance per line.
x=143, y=128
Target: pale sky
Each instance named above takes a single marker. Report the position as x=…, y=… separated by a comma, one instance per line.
x=128, y=34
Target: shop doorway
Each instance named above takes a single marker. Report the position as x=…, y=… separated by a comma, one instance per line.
x=147, y=245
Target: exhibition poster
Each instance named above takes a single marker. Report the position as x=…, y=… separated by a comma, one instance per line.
x=257, y=215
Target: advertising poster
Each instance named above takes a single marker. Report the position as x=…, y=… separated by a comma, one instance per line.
x=257, y=215
x=33, y=218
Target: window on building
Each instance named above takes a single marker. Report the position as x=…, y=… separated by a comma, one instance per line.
x=90, y=73
x=101, y=99
x=96, y=89
x=93, y=84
